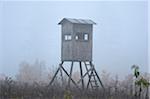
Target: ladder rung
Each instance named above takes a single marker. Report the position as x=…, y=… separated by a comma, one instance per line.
x=87, y=64
x=93, y=81
x=93, y=75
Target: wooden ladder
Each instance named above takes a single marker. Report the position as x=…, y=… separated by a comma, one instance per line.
x=92, y=76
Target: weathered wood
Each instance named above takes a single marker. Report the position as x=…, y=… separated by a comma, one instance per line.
x=70, y=73
x=76, y=49
x=81, y=74
x=70, y=77
x=76, y=46
x=56, y=73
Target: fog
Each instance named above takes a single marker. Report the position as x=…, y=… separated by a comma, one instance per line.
x=30, y=31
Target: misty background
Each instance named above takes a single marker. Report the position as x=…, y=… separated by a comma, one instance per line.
x=29, y=31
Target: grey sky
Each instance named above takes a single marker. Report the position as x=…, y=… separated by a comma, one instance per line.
x=29, y=31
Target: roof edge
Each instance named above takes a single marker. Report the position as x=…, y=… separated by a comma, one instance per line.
x=77, y=21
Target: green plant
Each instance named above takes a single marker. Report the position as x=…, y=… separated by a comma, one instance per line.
x=67, y=95
x=136, y=70
x=141, y=82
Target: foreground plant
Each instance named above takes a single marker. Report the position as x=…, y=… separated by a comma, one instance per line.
x=140, y=82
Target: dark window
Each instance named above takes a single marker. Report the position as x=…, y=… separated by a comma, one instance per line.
x=78, y=36
x=82, y=36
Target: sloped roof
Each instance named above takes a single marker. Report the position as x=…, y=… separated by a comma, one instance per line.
x=78, y=21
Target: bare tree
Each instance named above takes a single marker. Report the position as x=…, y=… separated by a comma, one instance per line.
x=31, y=72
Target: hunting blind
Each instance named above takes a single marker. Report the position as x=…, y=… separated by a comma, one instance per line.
x=76, y=46
x=76, y=39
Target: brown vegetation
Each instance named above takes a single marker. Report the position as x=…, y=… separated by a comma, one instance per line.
x=36, y=89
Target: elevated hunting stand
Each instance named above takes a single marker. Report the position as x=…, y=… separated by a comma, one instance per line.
x=76, y=47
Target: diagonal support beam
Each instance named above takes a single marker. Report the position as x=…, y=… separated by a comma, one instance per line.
x=88, y=74
x=61, y=74
x=97, y=76
x=81, y=73
x=85, y=75
x=55, y=74
x=70, y=77
x=99, y=79
x=89, y=79
x=70, y=74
